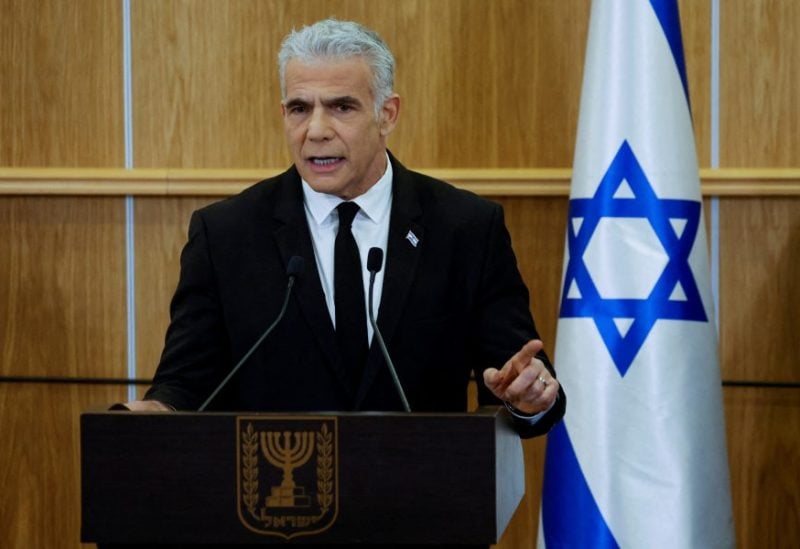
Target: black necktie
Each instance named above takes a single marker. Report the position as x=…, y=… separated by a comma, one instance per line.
x=348, y=287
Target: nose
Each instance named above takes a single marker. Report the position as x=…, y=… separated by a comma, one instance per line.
x=319, y=126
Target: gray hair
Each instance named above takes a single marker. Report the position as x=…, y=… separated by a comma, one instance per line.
x=341, y=40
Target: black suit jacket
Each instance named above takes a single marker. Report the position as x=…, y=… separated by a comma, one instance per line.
x=453, y=304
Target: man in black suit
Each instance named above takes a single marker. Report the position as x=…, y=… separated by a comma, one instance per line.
x=449, y=302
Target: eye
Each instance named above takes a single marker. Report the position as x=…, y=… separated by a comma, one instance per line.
x=344, y=107
x=296, y=107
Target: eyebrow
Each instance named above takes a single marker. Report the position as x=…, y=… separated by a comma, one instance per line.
x=296, y=103
x=340, y=100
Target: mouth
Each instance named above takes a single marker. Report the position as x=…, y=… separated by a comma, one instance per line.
x=324, y=163
x=325, y=160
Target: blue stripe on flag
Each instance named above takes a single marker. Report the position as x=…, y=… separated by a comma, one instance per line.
x=669, y=18
x=565, y=496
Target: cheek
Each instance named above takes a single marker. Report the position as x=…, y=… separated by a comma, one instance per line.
x=294, y=137
x=364, y=140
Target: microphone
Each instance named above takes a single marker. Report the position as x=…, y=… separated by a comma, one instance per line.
x=293, y=270
x=374, y=264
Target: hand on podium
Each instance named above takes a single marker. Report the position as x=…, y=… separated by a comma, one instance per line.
x=524, y=382
x=143, y=406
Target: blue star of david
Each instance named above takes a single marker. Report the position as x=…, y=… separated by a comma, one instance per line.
x=658, y=304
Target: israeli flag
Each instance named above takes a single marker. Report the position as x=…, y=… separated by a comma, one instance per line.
x=640, y=459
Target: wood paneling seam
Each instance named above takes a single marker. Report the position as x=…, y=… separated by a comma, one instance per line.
x=130, y=250
x=714, y=225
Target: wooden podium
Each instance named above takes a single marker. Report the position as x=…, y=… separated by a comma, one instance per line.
x=182, y=478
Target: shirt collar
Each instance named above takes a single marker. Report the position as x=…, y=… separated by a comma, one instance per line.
x=375, y=203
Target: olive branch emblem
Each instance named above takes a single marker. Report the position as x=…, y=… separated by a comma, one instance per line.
x=250, y=469
x=324, y=469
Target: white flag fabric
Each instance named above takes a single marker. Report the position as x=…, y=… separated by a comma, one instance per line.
x=640, y=458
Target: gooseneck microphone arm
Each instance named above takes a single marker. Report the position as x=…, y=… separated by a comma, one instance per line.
x=293, y=270
x=374, y=265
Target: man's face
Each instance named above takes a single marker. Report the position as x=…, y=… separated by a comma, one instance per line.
x=335, y=140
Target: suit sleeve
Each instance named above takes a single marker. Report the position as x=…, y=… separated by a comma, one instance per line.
x=196, y=350
x=505, y=322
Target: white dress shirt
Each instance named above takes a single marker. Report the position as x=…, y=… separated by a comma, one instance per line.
x=370, y=229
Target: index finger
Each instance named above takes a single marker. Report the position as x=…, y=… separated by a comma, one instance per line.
x=523, y=357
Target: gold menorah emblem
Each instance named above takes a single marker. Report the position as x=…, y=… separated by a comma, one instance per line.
x=287, y=474
x=287, y=456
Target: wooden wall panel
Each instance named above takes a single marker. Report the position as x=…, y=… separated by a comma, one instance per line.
x=492, y=83
x=205, y=87
x=62, y=286
x=760, y=79
x=760, y=288
x=538, y=232
x=218, y=58
x=763, y=430
x=61, y=92
x=161, y=231
x=696, y=30
x=40, y=456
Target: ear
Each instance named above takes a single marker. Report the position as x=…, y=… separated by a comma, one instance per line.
x=389, y=113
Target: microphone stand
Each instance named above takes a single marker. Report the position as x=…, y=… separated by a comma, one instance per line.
x=374, y=264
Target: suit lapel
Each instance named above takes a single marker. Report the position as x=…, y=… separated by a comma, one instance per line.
x=402, y=257
x=293, y=238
